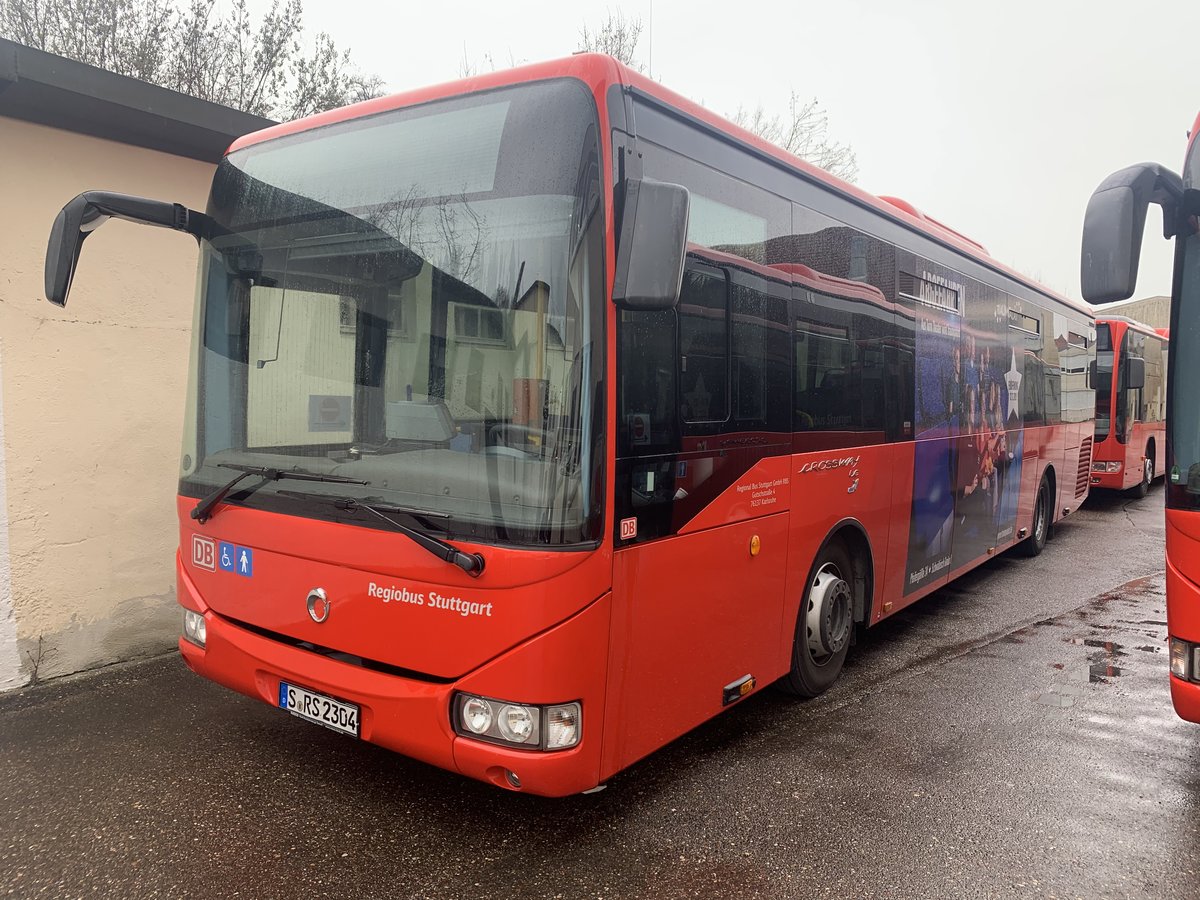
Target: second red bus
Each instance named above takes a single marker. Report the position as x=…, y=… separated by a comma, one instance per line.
x=1131, y=400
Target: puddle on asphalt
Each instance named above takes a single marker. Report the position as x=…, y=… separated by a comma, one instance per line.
x=1112, y=648
x=1101, y=672
x=1146, y=648
x=1101, y=664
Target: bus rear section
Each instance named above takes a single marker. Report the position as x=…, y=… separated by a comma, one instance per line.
x=1131, y=394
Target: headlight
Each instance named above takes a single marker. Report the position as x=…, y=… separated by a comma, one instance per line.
x=1106, y=467
x=516, y=724
x=195, y=629
x=477, y=715
x=1179, y=658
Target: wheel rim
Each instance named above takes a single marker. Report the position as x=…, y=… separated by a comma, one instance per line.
x=828, y=614
x=1039, y=521
x=1148, y=470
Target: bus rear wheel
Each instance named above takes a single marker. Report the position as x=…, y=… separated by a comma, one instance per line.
x=1036, y=542
x=824, y=624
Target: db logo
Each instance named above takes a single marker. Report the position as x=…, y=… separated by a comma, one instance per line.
x=204, y=553
x=628, y=529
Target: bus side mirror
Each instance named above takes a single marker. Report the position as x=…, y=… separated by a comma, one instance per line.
x=89, y=211
x=1092, y=377
x=653, y=244
x=1113, y=226
x=1135, y=373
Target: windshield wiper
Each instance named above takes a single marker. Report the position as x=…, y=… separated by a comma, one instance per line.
x=202, y=510
x=471, y=563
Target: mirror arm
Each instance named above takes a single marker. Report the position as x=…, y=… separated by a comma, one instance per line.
x=1150, y=183
x=101, y=206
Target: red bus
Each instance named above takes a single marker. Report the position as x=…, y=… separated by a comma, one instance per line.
x=536, y=418
x=1131, y=401
x=1112, y=241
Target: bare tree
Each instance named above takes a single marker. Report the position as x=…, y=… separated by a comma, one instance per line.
x=804, y=131
x=616, y=36
x=327, y=80
x=187, y=46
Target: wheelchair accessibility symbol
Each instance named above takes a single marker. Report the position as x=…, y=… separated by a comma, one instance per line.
x=232, y=558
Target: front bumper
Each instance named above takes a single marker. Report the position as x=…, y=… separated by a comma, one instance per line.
x=412, y=716
x=1115, y=481
x=1183, y=621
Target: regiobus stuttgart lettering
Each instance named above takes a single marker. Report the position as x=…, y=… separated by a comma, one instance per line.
x=429, y=600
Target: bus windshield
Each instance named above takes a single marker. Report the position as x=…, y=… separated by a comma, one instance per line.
x=411, y=299
x=1183, y=424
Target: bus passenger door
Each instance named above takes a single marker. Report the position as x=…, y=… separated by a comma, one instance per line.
x=701, y=505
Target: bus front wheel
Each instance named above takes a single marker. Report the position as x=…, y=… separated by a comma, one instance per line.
x=1142, y=488
x=824, y=625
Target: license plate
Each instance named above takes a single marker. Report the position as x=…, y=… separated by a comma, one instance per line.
x=314, y=707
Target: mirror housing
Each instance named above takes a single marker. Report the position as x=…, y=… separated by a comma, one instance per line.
x=653, y=245
x=1135, y=373
x=89, y=211
x=1113, y=226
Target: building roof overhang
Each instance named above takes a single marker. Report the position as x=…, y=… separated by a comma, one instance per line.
x=62, y=93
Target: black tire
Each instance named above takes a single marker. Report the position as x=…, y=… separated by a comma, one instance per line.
x=1142, y=488
x=1036, y=542
x=813, y=672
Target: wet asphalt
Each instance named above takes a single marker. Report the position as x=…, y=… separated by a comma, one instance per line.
x=1011, y=735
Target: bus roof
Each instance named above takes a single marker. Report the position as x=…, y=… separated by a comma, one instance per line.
x=1134, y=324
x=599, y=71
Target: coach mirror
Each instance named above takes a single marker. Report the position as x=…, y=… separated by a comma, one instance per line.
x=1113, y=226
x=653, y=242
x=1135, y=373
x=89, y=211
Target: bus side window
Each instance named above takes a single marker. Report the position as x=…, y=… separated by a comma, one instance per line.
x=826, y=397
x=646, y=383
x=704, y=346
x=1028, y=344
x=761, y=368
x=1152, y=394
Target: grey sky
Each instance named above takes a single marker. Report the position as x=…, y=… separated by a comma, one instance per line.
x=998, y=120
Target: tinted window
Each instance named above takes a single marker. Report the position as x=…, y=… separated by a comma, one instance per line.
x=1028, y=345
x=704, y=347
x=646, y=383
x=844, y=359
x=761, y=368
x=1154, y=394
x=727, y=214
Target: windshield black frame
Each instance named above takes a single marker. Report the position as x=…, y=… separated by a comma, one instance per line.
x=1105, y=367
x=1183, y=412
x=239, y=254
